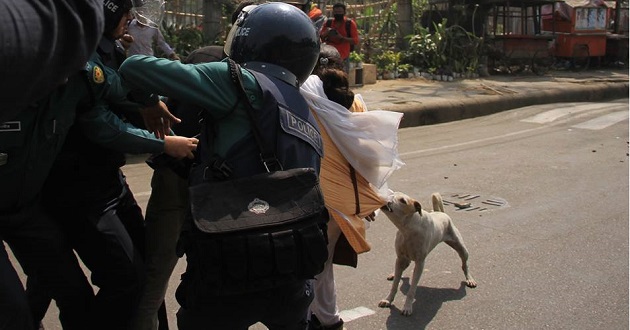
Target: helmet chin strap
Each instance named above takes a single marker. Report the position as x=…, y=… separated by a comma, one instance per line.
x=273, y=70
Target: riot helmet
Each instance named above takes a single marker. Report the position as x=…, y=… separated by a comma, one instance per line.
x=275, y=33
x=149, y=12
x=305, y=5
x=113, y=11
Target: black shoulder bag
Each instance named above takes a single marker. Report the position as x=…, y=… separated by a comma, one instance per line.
x=258, y=232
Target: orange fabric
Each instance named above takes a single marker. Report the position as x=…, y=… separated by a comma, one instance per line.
x=314, y=13
x=338, y=190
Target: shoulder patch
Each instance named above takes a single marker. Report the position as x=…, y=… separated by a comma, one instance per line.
x=97, y=75
x=302, y=129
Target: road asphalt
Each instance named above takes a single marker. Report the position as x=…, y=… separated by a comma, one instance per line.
x=426, y=102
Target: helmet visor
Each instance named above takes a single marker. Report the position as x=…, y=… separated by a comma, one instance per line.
x=149, y=12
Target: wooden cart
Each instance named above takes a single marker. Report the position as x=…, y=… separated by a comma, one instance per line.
x=515, y=38
x=580, y=27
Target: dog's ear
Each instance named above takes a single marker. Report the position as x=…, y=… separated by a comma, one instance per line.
x=418, y=207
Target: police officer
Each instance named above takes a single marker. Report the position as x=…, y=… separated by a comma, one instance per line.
x=30, y=141
x=277, y=43
x=87, y=194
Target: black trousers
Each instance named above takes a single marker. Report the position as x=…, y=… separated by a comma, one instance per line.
x=43, y=253
x=282, y=308
x=109, y=244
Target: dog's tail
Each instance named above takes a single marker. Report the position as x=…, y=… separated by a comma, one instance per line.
x=438, y=205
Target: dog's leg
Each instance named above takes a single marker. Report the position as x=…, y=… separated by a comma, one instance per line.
x=401, y=265
x=457, y=243
x=411, y=294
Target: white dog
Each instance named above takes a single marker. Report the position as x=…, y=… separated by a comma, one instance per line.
x=418, y=233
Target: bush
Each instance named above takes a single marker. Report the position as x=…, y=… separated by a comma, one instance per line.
x=184, y=39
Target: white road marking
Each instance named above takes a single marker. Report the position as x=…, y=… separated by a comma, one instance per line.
x=604, y=121
x=549, y=116
x=355, y=313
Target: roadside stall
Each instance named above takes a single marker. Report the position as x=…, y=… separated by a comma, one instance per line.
x=617, y=36
x=515, y=39
x=580, y=27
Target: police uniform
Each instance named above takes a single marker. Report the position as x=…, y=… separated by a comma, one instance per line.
x=210, y=87
x=31, y=141
x=277, y=47
x=87, y=194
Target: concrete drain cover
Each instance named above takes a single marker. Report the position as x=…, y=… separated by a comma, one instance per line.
x=472, y=202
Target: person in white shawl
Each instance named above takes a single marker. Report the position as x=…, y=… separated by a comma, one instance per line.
x=360, y=153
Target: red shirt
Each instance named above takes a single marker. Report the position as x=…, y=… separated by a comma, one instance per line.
x=342, y=46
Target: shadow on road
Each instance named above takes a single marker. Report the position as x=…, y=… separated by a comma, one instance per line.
x=427, y=304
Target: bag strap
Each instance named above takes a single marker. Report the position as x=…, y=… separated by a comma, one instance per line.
x=267, y=156
x=353, y=176
x=348, y=28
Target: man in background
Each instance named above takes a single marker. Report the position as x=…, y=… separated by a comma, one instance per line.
x=144, y=35
x=341, y=33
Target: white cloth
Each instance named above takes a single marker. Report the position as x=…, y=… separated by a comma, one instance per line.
x=143, y=38
x=368, y=140
x=324, y=304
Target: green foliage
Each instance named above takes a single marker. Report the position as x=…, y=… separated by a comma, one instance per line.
x=448, y=49
x=387, y=61
x=183, y=39
x=355, y=57
x=426, y=49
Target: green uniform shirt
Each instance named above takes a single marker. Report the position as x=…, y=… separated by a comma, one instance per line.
x=32, y=139
x=207, y=85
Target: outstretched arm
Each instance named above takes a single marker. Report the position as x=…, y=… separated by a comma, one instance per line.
x=102, y=126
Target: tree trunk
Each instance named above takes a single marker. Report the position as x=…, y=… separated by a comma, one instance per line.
x=405, y=22
x=211, y=20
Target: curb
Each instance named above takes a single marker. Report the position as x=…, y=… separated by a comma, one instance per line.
x=436, y=112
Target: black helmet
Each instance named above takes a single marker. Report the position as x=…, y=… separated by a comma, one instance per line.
x=113, y=11
x=305, y=5
x=275, y=33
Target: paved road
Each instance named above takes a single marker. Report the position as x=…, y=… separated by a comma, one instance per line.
x=544, y=258
x=549, y=251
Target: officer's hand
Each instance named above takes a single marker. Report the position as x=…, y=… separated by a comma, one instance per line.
x=174, y=57
x=179, y=146
x=126, y=41
x=371, y=217
x=158, y=120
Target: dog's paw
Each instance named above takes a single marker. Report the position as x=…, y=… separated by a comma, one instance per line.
x=384, y=303
x=406, y=311
x=471, y=283
x=390, y=277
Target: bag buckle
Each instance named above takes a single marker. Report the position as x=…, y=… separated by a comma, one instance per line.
x=220, y=170
x=271, y=163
